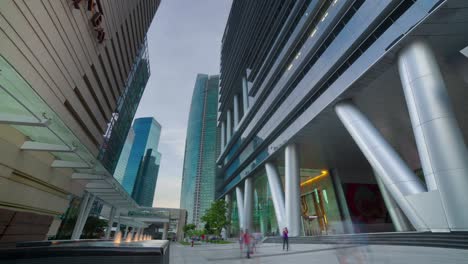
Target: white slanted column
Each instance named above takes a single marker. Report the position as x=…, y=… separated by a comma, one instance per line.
x=83, y=205
x=399, y=220
x=85, y=208
x=228, y=126
x=223, y=135
x=125, y=232
x=443, y=152
x=129, y=236
x=347, y=222
x=140, y=233
x=240, y=206
x=165, y=229
x=227, y=199
x=111, y=222
x=136, y=230
x=277, y=194
x=292, y=190
x=89, y=206
x=236, y=111
x=117, y=228
x=248, y=204
x=399, y=180
x=245, y=95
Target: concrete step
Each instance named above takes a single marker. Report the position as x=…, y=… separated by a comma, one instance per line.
x=447, y=240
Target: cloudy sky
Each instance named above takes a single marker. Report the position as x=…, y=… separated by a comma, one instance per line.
x=184, y=39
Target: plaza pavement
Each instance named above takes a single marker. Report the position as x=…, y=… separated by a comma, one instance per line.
x=310, y=253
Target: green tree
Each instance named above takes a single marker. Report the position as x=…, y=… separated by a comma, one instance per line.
x=215, y=217
x=188, y=229
x=94, y=227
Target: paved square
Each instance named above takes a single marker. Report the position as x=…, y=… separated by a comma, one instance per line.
x=333, y=254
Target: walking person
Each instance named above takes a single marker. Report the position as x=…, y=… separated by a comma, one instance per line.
x=247, y=241
x=241, y=241
x=285, y=238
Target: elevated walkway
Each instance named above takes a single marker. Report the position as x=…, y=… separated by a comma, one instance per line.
x=457, y=240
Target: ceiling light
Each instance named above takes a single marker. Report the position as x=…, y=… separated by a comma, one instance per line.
x=313, y=32
x=324, y=16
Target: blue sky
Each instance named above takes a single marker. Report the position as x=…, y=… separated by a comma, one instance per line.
x=184, y=39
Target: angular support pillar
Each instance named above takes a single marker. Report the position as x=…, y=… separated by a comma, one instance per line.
x=248, y=204
x=399, y=180
x=223, y=135
x=139, y=233
x=89, y=206
x=277, y=194
x=399, y=220
x=165, y=229
x=292, y=190
x=240, y=206
x=236, y=111
x=83, y=205
x=117, y=228
x=228, y=126
x=245, y=95
x=346, y=216
x=125, y=232
x=129, y=236
x=440, y=143
x=85, y=208
x=111, y=222
x=227, y=199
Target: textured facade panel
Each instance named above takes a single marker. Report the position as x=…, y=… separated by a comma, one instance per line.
x=65, y=46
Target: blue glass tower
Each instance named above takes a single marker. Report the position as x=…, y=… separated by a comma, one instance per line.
x=201, y=148
x=124, y=155
x=145, y=183
x=146, y=136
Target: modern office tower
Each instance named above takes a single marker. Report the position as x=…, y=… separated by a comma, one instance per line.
x=68, y=69
x=147, y=132
x=343, y=116
x=199, y=172
x=147, y=176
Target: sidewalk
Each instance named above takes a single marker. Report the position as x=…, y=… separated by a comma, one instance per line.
x=307, y=253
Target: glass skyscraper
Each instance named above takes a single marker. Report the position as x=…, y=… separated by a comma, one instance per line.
x=144, y=136
x=123, y=158
x=121, y=120
x=145, y=182
x=199, y=173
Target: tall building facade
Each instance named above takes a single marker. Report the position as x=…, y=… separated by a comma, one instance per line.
x=147, y=132
x=65, y=69
x=342, y=116
x=199, y=172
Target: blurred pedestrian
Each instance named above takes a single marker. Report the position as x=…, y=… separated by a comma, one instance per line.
x=247, y=241
x=285, y=238
x=241, y=240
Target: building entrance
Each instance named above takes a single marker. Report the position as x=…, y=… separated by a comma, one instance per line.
x=320, y=211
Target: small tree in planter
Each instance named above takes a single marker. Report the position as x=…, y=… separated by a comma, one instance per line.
x=215, y=217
